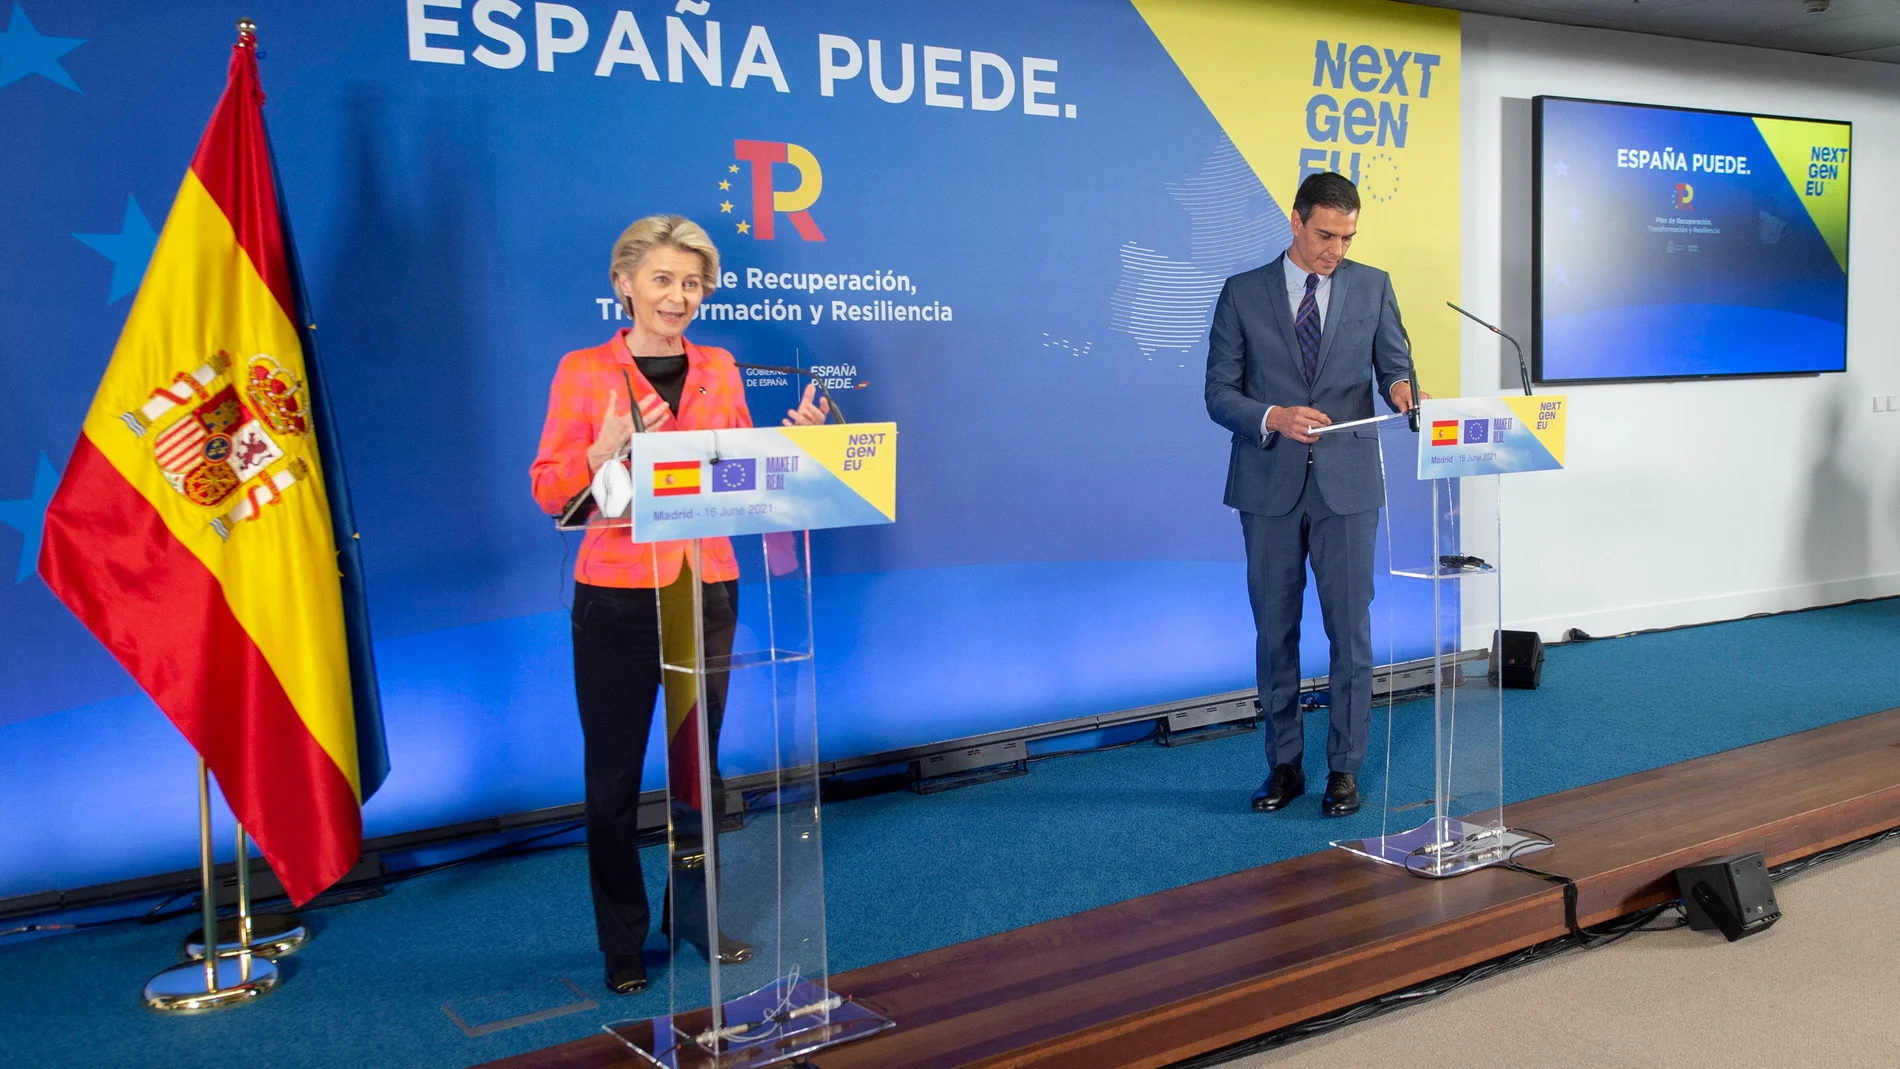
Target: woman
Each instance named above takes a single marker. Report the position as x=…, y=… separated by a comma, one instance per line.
x=662, y=267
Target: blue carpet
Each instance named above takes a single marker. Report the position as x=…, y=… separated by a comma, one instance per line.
x=908, y=873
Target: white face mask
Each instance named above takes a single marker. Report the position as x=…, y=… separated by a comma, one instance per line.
x=613, y=489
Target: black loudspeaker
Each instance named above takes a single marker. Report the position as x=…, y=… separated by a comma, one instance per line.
x=1729, y=893
x=1517, y=659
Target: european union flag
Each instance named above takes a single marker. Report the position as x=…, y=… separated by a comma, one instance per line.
x=1477, y=430
x=735, y=473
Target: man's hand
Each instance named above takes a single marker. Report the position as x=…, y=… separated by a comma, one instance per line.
x=1402, y=396
x=615, y=429
x=1293, y=421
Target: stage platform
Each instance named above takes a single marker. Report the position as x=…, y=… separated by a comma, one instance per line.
x=1161, y=978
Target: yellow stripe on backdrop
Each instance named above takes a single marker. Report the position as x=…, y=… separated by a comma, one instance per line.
x=202, y=294
x=1363, y=87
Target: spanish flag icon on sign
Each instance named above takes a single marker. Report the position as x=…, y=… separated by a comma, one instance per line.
x=1444, y=432
x=673, y=477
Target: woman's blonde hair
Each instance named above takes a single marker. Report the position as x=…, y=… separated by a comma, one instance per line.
x=656, y=230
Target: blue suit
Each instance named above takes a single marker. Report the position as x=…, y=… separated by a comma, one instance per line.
x=1299, y=502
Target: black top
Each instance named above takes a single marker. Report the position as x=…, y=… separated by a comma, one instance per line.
x=668, y=376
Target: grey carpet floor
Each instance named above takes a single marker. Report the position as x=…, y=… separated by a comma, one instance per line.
x=1820, y=988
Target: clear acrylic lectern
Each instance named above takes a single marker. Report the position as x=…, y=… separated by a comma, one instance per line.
x=1442, y=799
x=747, y=983
x=744, y=914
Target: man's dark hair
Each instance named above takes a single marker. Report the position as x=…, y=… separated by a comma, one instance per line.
x=1328, y=189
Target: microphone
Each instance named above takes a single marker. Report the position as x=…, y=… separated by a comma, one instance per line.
x=574, y=514
x=633, y=407
x=831, y=401
x=1523, y=370
x=1411, y=373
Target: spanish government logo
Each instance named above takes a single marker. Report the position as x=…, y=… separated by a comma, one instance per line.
x=768, y=202
x=220, y=443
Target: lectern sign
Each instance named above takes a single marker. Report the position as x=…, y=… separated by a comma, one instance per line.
x=1491, y=435
x=699, y=484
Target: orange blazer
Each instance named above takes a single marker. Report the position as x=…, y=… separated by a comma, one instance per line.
x=712, y=399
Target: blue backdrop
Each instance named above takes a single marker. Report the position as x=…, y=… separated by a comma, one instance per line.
x=1060, y=548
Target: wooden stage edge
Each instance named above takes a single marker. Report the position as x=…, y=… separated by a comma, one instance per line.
x=1157, y=979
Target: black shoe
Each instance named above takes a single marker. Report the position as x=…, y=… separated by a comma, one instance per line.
x=1286, y=784
x=1342, y=795
x=626, y=974
x=731, y=951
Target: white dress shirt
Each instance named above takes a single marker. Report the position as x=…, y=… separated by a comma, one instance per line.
x=1295, y=293
x=1296, y=290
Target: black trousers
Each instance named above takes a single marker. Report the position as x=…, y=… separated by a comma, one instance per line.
x=1341, y=549
x=617, y=679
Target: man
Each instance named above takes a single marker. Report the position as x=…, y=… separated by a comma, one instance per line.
x=1297, y=345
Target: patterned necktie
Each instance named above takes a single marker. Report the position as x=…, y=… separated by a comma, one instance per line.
x=1306, y=328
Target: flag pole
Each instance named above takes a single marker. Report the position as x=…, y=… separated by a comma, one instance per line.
x=243, y=860
x=207, y=882
x=276, y=934
x=219, y=979
x=272, y=935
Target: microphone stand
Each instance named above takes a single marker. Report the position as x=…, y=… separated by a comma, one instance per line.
x=1411, y=376
x=1523, y=369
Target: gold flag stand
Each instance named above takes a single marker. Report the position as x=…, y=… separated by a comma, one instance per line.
x=273, y=935
x=270, y=935
x=230, y=976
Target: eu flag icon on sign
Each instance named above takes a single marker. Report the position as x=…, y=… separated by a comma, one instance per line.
x=735, y=473
x=1477, y=430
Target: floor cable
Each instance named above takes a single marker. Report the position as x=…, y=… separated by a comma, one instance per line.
x=1578, y=938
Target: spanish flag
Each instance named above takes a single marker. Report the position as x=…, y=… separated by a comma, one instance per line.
x=1444, y=432
x=674, y=477
x=201, y=529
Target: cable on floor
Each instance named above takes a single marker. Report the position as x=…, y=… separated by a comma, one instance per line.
x=357, y=892
x=1592, y=937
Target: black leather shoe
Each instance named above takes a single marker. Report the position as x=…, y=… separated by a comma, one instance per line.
x=1342, y=795
x=1286, y=784
x=731, y=951
x=626, y=974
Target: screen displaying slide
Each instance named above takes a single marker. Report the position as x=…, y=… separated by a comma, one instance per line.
x=1679, y=244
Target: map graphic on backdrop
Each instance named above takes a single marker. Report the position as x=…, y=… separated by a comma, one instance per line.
x=1165, y=303
x=1060, y=186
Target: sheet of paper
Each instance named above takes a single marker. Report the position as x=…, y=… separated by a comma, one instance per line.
x=1331, y=427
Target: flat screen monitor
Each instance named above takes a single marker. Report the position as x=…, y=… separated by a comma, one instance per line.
x=1671, y=243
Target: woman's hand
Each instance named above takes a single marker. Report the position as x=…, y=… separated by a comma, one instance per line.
x=808, y=414
x=654, y=413
x=614, y=432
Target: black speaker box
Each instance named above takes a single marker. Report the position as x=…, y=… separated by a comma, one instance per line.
x=1729, y=893
x=1517, y=659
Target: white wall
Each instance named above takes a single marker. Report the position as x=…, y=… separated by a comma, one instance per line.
x=1690, y=501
